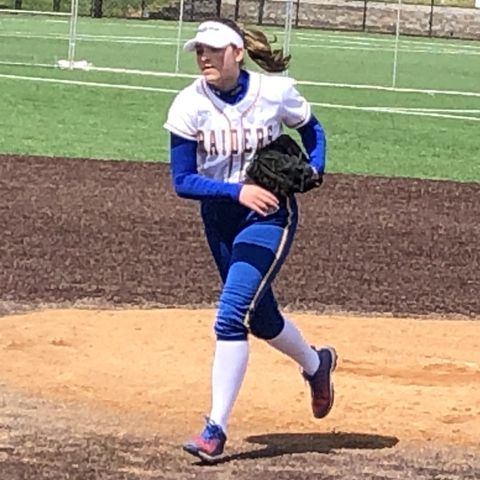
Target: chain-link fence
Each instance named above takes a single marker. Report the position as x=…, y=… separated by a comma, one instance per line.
x=435, y=18
x=126, y=45
x=459, y=19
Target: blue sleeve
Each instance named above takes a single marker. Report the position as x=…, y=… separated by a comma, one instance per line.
x=315, y=143
x=186, y=180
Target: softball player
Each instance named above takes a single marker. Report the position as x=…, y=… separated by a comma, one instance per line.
x=216, y=124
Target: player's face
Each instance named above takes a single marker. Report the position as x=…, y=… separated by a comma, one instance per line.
x=220, y=66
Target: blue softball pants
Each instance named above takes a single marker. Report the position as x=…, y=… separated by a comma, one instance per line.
x=249, y=251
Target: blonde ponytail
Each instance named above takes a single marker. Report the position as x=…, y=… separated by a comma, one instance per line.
x=259, y=48
x=260, y=51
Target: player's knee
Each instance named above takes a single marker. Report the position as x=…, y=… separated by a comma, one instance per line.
x=227, y=328
x=230, y=323
x=265, y=328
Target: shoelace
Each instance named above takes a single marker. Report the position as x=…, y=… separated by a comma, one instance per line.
x=211, y=431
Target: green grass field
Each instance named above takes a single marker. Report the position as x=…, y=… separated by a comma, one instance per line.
x=105, y=113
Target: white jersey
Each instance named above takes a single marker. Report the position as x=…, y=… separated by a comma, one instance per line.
x=228, y=135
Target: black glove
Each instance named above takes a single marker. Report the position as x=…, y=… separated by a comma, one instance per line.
x=282, y=168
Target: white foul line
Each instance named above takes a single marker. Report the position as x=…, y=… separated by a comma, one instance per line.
x=33, y=12
x=388, y=89
x=373, y=40
x=299, y=82
x=440, y=110
x=396, y=110
x=150, y=40
x=88, y=84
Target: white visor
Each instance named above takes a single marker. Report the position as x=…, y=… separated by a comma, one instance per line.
x=214, y=34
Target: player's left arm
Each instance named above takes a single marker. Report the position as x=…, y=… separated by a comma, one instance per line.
x=315, y=143
x=296, y=113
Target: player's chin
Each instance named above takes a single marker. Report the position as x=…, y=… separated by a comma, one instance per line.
x=211, y=75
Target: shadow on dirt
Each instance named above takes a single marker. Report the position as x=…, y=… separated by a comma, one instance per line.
x=278, y=444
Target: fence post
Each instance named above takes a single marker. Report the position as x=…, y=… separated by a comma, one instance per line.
x=56, y=5
x=237, y=9
x=97, y=8
x=18, y=4
x=297, y=13
x=261, y=6
x=219, y=8
x=364, y=20
x=430, y=20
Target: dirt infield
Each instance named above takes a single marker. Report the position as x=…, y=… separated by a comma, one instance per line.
x=109, y=391
x=114, y=232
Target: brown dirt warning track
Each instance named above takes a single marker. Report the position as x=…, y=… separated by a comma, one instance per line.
x=107, y=295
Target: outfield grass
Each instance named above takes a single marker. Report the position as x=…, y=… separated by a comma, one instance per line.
x=317, y=55
x=88, y=120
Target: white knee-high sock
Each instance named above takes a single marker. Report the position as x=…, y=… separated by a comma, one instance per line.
x=229, y=367
x=291, y=342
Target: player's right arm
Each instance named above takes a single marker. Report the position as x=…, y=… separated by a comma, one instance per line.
x=189, y=184
x=186, y=180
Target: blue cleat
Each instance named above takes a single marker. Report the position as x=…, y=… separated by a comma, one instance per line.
x=209, y=445
x=321, y=384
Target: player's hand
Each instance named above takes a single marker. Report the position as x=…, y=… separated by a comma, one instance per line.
x=258, y=199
